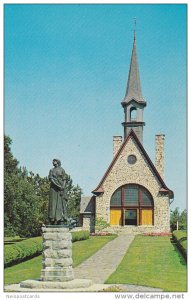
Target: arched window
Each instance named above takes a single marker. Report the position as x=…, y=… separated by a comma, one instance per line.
x=133, y=114
x=116, y=198
x=131, y=204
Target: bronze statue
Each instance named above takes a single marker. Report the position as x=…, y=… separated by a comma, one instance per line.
x=57, y=210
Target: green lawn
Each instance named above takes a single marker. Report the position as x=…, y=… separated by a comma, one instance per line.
x=31, y=269
x=152, y=261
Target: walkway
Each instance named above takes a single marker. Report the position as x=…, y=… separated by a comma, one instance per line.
x=104, y=262
x=98, y=268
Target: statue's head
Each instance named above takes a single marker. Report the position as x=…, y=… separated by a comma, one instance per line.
x=57, y=161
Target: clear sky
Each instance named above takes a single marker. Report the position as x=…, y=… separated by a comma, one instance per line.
x=66, y=70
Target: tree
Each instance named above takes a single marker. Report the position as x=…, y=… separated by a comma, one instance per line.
x=10, y=171
x=41, y=187
x=174, y=218
x=181, y=218
x=10, y=163
x=22, y=207
x=26, y=198
x=74, y=198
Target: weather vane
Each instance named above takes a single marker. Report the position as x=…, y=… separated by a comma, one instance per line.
x=135, y=24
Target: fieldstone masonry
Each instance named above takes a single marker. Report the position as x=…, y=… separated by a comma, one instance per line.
x=117, y=142
x=88, y=222
x=140, y=173
x=57, y=254
x=159, y=159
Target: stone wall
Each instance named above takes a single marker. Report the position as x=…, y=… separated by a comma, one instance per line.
x=88, y=222
x=139, y=173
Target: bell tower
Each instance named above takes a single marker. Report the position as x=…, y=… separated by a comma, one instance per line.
x=133, y=102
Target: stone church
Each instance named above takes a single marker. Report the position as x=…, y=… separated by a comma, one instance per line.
x=132, y=194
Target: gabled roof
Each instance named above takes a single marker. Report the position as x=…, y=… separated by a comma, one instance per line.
x=133, y=90
x=87, y=204
x=164, y=189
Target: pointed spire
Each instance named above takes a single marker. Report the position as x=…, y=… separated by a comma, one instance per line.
x=133, y=90
x=135, y=23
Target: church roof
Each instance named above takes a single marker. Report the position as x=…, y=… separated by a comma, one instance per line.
x=164, y=189
x=87, y=204
x=133, y=91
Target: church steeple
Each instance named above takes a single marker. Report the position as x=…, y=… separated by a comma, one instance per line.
x=133, y=90
x=133, y=102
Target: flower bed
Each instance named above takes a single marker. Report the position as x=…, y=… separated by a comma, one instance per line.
x=101, y=233
x=158, y=234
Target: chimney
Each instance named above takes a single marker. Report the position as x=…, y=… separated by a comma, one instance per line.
x=159, y=159
x=117, y=142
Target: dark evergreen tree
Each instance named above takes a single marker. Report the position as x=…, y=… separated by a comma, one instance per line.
x=74, y=197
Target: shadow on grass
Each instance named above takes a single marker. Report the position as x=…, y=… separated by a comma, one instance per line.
x=180, y=255
x=182, y=239
x=13, y=241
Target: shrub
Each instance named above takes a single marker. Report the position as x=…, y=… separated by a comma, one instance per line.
x=80, y=235
x=100, y=224
x=180, y=238
x=22, y=250
x=29, y=248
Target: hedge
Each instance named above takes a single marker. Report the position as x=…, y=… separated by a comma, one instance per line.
x=180, y=237
x=20, y=251
x=80, y=235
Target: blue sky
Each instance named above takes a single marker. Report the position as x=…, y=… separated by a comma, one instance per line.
x=66, y=70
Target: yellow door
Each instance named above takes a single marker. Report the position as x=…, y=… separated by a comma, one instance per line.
x=115, y=216
x=147, y=217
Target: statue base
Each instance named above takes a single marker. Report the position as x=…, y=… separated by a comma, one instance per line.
x=57, y=254
x=39, y=285
x=57, y=272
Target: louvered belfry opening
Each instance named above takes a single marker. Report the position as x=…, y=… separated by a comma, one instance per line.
x=131, y=204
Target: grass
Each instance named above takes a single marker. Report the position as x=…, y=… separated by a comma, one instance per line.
x=83, y=249
x=31, y=269
x=154, y=262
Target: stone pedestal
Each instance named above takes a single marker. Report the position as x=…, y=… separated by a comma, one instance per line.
x=57, y=254
x=57, y=272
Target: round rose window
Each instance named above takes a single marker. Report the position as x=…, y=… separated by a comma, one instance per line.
x=131, y=159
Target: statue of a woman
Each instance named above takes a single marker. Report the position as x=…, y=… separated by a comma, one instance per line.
x=57, y=212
